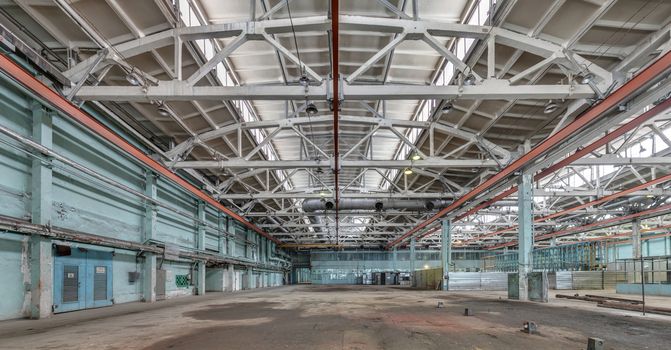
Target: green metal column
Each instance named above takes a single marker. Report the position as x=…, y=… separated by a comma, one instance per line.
x=221, y=225
x=636, y=250
x=446, y=251
x=394, y=258
x=248, y=244
x=230, y=242
x=230, y=278
x=151, y=212
x=413, y=240
x=41, y=254
x=200, y=241
x=526, y=233
x=250, y=277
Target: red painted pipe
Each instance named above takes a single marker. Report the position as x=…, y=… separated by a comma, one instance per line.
x=335, y=17
x=641, y=80
x=18, y=74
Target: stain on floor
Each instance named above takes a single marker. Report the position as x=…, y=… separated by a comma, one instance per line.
x=349, y=317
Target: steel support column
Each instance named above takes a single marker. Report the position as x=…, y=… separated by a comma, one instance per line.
x=230, y=242
x=394, y=259
x=41, y=255
x=150, y=215
x=526, y=233
x=250, y=277
x=221, y=238
x=445, y=251
x=636, y=251
x=230, y=278
x=413, y=242
x=200, y=242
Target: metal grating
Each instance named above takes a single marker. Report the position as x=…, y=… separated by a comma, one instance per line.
x=70, y=283
x=100, y=283
x=182, y=281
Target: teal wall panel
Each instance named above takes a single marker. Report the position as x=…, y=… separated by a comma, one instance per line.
x=85, y=204
x=13, y=269
x=123, y=290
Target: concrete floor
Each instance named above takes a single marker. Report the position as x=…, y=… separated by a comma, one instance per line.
x=340, y=317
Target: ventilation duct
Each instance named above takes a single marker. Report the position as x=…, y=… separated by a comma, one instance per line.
x=310, y=205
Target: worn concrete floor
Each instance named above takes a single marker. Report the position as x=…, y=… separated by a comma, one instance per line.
x=339, y=317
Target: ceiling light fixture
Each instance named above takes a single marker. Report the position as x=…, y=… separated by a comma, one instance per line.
x=311, y=109
x=134, y=78
x=415, y=156
x=550, y=107
x=304, y=81
x=469, y=80
x=447, y=106
x=587, y=78
x=407, y=171
x=163, y=109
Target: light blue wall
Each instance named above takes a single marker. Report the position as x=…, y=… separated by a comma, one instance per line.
x=84, y=204
x=13, y=271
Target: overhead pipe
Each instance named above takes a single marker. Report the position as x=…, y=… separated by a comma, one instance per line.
x=58, y=102
x=644, y=79
x=311, y=205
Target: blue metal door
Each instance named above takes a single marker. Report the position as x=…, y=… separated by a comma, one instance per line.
x=98, y=279
x=69, y=281
x=82, y=280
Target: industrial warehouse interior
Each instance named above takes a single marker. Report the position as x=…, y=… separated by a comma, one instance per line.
x=335, y=174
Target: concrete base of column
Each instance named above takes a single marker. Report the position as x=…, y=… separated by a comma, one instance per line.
x=149, y=278
x=41, y=277
x=200, y=287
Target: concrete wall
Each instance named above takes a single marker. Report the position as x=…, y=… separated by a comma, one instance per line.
x=78, y=202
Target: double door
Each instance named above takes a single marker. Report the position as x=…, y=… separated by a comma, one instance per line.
x=82, y=280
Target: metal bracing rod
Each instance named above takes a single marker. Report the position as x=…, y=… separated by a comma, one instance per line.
x=293, y=58
x=394, y=9
x=378, y=56
x=280, y=5
x=449, y=55
x=216, y=59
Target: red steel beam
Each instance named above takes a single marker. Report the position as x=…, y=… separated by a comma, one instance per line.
x=18, y=74
x=631, y=125
x=335, y=17
x=588, y=204
x=641, y=80
x=619, y=235
x=590, y=227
